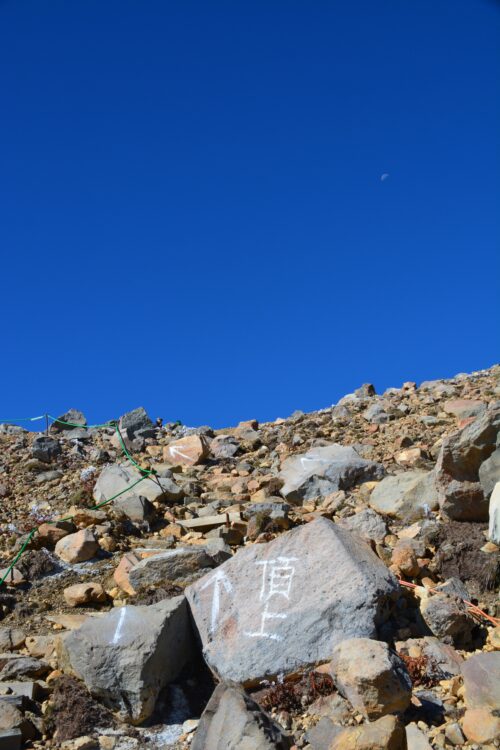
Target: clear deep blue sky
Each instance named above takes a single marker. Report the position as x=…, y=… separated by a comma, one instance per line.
x=192, y=215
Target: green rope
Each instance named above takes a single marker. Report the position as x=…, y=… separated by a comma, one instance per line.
x=60, y=520
x=145, y=474
x=22, y=419
x=21, y=551
x=82, y=426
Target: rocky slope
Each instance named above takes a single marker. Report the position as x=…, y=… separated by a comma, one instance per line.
x=325, y=581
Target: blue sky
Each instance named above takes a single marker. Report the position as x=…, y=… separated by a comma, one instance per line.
x=192, y=215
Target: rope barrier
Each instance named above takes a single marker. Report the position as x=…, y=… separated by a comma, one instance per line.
x=21, y=419
x=474, y=611
x=145, y=474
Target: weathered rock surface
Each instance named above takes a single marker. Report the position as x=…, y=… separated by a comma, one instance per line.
x=407, y=496
x=178, y=567
x=117, y=477
x=127, y=656
x=276, y=607
x=481, y=674
x=371, y=676
x=233, y=721
x=323, y=470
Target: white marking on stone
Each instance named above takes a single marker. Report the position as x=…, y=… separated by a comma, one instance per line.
x=119, y=626
x=174, y=452
x=277, y=577
x=218, y=580
x=313, y=460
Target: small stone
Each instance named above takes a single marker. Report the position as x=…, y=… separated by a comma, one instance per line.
x=416, y=739
x=77, y=547
x=84, y=593
x=411, y=457
x=404, y=558
x=121, y=574
x=11, y=639
x=454, y=734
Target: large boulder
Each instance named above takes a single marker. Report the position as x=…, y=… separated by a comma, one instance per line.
x=407, y=496
x=234, y=721
x=276, y=607
x=127, y=656
x=461, y=496
x=323, y=470
x=115, y=479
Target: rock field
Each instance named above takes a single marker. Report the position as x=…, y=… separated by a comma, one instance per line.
x=327, y=581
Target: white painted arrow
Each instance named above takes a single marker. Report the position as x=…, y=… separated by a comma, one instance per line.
x=218, y=580
x=174, y=451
